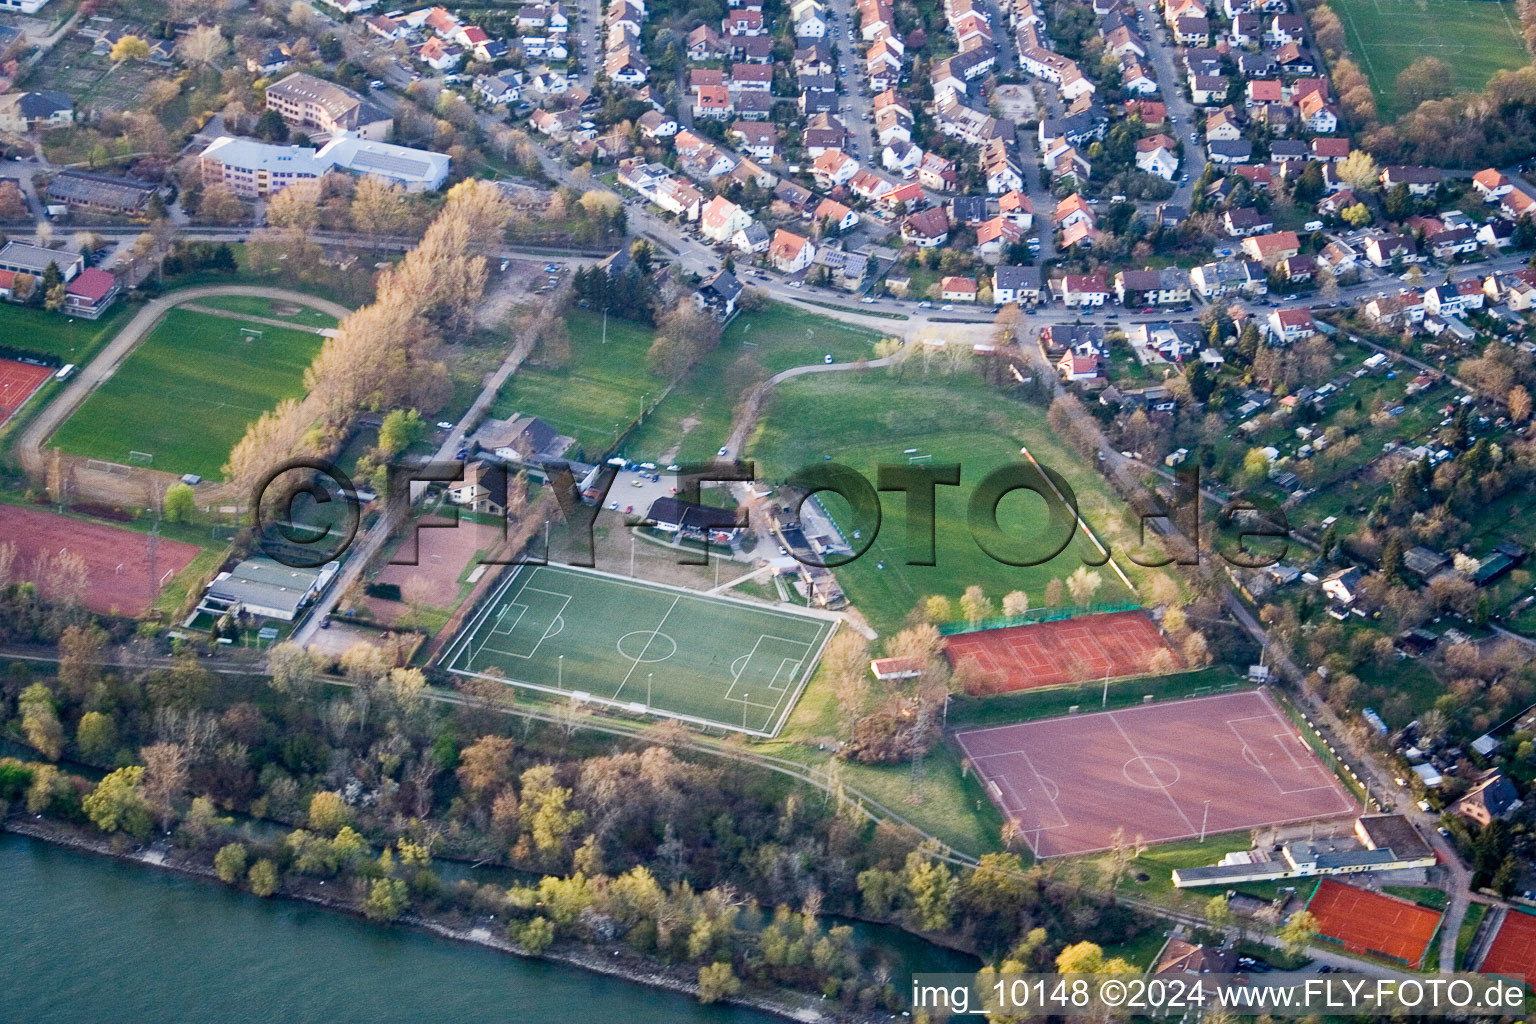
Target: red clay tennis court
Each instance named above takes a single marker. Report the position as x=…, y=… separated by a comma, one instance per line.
x=1513, y=951
x=1373, y=923
x=1158, y=771
x=1065, y=651
x=17, y=383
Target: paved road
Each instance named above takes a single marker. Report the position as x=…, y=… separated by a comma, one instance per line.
x=1379, y=780
x=857, y=103
x=367, y=548
x=1171, y=82
x=29, y=446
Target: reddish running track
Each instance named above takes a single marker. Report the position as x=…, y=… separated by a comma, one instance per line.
x=1513, y=951
x=1158, y=771
x=17, y=383
x=119, y=575
x=1373, y=923
x=1066, y=651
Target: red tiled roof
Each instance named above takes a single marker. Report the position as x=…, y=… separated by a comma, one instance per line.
x=92, y=283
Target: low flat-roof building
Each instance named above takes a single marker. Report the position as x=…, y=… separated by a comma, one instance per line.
x=99, y=193
x=1382, y=842
x=25, y=258
x=264, y=587
x=253, y=169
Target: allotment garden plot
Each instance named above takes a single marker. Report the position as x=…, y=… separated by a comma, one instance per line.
x=644, y=647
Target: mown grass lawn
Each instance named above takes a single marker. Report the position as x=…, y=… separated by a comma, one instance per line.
x=865, y=419
x=599, y=393
x=694, y=419
x=1475, y=37
x=188, y=392
x=54, y=334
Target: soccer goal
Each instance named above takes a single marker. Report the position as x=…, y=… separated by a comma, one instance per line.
x=250, y=334
x=141, y=458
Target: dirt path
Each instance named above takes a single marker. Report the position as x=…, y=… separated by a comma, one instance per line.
x=229, y=314
x=140, y=484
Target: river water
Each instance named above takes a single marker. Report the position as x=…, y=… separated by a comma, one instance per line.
x=93, y=939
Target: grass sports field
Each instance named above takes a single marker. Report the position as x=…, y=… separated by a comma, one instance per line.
x=863, y=419
x=73, y=341
x=642, y=646
x=598, y=394
x=187, y=393
x=1474, y=37
x=695, y=417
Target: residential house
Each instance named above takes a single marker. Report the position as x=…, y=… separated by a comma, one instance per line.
x=926, y=229
x=834, y=168
x=1166, y=287
x=655, y=125
x=1016, y=284
x=1271, y=248
x=718, y=294
x=1016, y=206
x=1208, y=90
x=1213, y=280
x=1245, y=222
x=757, y=139
x=704, y=43
x=1298, y=269
x=1230, y=153
x=995, y=236
x=1223, y=126
x=937, y=173
x=957, y=289
x=789, y=252
x=835, y=215
x=1156, y=155
x=1075, y=366
x=721, y=219
x=1452, y=242
x=1491, y=184
x=1492, y=797
x=1391, y=250
x=1421, y=181
x=1079, y=291
x=1288, y=325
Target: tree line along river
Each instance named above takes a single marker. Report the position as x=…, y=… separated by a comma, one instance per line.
x=89, y=938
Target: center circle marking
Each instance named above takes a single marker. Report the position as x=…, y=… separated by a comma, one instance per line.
x=1151, y=772
x=647, y=645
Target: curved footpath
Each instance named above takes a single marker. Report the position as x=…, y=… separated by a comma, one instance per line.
x=29, y=444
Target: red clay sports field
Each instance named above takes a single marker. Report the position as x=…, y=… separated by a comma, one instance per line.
x=122, y=575
x=1159, y=771
x=17, y=383
x=1373, y=923
x=1065, y=651
x=1513, y=951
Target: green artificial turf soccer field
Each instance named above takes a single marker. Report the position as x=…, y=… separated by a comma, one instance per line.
x=643, y=646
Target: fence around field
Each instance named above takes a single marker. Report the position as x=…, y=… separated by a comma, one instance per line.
x=1329, y=754
x=1034, y=615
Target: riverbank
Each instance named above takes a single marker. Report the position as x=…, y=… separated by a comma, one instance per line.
x=615, y=961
